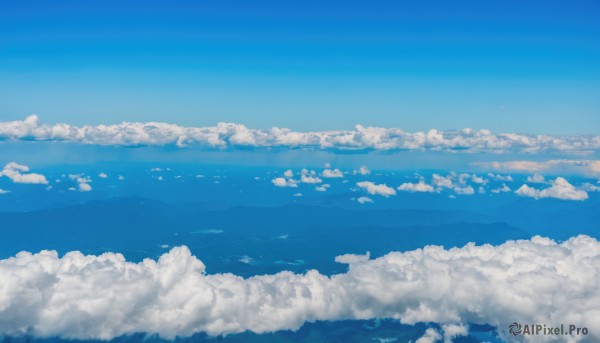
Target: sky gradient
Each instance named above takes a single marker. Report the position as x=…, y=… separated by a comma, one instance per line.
x=507, y=66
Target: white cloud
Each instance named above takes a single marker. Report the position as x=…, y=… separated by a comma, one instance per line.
x=442, y=181
x=3, y=191
x=332, y=173
x=84, y=187
x=288, y=173
x=102, y=175
x=83, y=183
x=352, y=258
x=310, y=179
x=498, y=177
x=17, y=173
x=363, y=170
x=586, y=186
x=421, y=186
x=155, y=170
x=536, y=178
x=121, y=177
x=452, y=331
x=281, y=182
x=560, y=189
x=101, y=297
x=297, y=194
x=431, y=336
x=468, y=190
x=225, y=135
x=364, y=200
x=503, y=189
x=380, y=189
x=588, y=167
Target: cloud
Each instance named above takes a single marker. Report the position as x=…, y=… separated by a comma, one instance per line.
x=281, y=182
x=503, y=189
x=231, y=135
x=310, y=179
x=363, y=170
x=102, y=175
x=588, y=167
x=3, y=191
x=17, y=173
x=352, y=258
x=332, y=173
x=421, y=186
x=364, y=200
x=101, y=297
x=536, y=178
x=560, y=189
x=468, y=190
x=288, y=173
x=441, y=181
x=452, y=331
x=380, y=189
x=498, y=177
x=83, y=183
x=431, y=336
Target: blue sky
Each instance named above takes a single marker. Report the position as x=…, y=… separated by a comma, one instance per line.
x=309, y=65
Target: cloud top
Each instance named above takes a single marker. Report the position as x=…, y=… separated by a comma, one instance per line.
x=231, y=135
x=86, y=296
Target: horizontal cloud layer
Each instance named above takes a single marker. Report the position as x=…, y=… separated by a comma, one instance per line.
x=227, y=135
x=84, y=296
x=589, y=167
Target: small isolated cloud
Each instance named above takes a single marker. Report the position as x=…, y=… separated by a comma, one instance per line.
x=121, y=177
x=282, y=182
x=588, y=187
x=297, y=194
x=363, y=170
x=442, y=181
x=503, y=189
x=498, y=177
x=102, y=175
x=364, y=200
x=376, y=189
x=288, y=173
x=536, y=178
x=352, y=258
x=560, y=189
x=17, y=173
x=3, y=191
x=155, y=169
x=83, y=184
x=421, y=186
x=310, y=179
x=468, y=190
x=332, y=173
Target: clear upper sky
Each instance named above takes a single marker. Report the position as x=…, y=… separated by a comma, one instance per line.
x=524, y=66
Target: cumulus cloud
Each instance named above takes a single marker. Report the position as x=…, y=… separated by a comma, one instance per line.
x=288, y=173
x=536, y=178
x=364, y=200
x=225, y=135
x=83, y=184
x=560, y=189
x=352, y=258
x=498, y=177
x=103, y=175
x=3, y=191
x=310, y=179
x=588, y=167
x=332, y=173
x=282, y=182
x=376, y=189
x=431, y=336
x=421, y=186
x=101, y=297
x=363, y=170
x=503, y=189
x=467, y=190
x=17, y=173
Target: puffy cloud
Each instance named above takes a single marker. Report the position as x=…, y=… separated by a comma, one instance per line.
x=363, y=170
x=3, y=191
x=18, y=174
x=310, y=179
x=498, y=177
x=503, y=189
x=586, y=186
x=225, y=135
x=121, y=177
x=83, y=183
x=288, y=173
x=421, y=186
x=536, y=178
x=102, y=175
x=468, y=190
x=452, y=331
x=364, y=200
x=352, y=258
x=101, y=297
x=441, y=181
x=560, y=189
x=589, y=167
x=281, y=182
x=380, y=189
x=431, y=336
x=332, y=173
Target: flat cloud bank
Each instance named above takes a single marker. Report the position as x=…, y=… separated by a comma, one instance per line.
x=231, y=135
x=102, y=297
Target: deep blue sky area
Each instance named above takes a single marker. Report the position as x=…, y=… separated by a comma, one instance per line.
x=519, y=66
